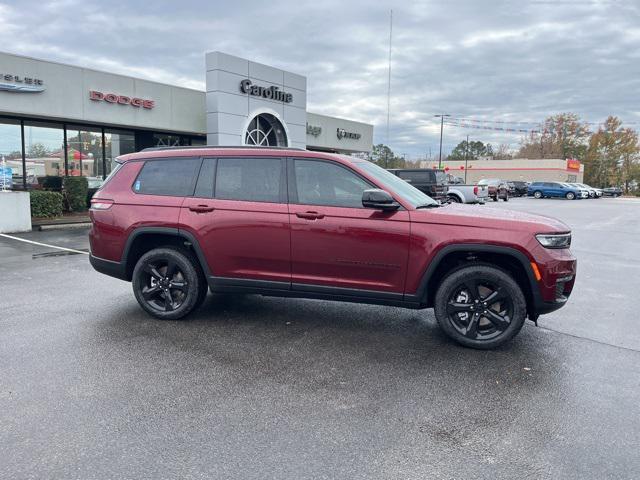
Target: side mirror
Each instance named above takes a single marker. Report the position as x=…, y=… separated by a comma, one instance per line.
x=379, y=199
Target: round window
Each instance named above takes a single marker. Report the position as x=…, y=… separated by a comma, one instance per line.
x=265, y=130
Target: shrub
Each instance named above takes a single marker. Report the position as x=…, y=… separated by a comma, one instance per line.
x=51, y=183
x=75, y=193
x=45, y=204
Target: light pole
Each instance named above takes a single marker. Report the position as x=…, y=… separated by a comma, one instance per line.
x=466, y=160
x=441, y=115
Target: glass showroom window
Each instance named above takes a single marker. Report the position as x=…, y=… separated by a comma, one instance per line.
x=44, y=151
x=117, y=142
x=84, y=153
x=11, y=174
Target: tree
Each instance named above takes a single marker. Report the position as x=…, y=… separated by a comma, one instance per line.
x=472, y=151
x=382, y=155
x=503, y=152
x=37, y=150
x=561, y=136
x=612, y=155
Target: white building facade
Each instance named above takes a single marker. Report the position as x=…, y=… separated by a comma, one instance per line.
x=58, y=119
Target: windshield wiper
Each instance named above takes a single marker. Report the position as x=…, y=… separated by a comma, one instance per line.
x=429, y=205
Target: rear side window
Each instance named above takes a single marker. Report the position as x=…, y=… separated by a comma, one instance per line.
x=418, y=177
x=174, y=177
x=250, y=179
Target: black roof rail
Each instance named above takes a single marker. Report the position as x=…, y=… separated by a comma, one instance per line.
x=208, y=147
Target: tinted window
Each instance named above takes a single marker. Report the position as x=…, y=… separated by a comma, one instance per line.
x=204, y=187
x=325, y=183
x=426, y=176
x=174, y=177
x=249, y=179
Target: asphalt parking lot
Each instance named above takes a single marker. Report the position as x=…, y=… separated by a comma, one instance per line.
x=253, y=387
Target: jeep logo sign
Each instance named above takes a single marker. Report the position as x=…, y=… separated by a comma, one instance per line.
x=269, y=93
x=121, y=99
x=342, y=133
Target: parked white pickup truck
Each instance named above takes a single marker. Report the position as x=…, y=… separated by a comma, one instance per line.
x=459, y=193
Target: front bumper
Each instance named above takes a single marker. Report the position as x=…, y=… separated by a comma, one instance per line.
x=558, y=269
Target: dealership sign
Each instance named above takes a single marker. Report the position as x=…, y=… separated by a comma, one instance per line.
x=269, y=93
x=121, y=99
x=313, y=130
x=342, y=133
x=20, y=84
x=573, y=164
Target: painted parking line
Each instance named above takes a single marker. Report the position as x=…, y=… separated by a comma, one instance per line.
x=42, y=244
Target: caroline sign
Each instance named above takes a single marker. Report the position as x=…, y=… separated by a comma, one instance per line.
x=270, y=93
x=121, y=99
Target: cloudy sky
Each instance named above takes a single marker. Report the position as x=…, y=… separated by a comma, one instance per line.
x=518, y=60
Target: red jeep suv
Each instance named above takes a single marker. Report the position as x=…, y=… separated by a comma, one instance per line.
x=295, y=223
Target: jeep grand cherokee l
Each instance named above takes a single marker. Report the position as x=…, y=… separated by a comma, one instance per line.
x=295, y=223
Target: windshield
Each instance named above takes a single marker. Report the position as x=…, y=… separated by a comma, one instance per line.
x=408, y=192
x=441, y=178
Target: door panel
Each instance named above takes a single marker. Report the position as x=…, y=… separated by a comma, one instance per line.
x=334, y=240
x=241, y=238
x=349, y=247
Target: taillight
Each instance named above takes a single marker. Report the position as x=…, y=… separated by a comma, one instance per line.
x=475, y=190
x=101, y=204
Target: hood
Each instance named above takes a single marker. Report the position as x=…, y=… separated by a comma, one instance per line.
x=487, y=217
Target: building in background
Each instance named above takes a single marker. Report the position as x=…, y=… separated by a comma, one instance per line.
x=58, y=119
x=527, y=170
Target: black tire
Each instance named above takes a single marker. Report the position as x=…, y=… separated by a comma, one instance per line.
x=454, y=199
x=495, y=199
x=464, y=291
x=570, y=196
x=506, y=198
x=537, y=194
x=169, y=271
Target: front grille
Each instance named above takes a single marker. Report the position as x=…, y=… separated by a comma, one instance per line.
x=559, y=290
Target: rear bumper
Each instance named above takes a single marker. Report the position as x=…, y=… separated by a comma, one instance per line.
x=109, y=267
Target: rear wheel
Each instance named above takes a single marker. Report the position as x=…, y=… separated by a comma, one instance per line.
x=168, y=283
x=495, y=199
x=454, y=199
x=570, y=195
x=506, y=197
x=480, y=306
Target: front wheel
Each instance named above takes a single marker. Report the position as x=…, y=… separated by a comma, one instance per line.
x=570, y=195
x=480, y=306
x=537, y=194
x=168, y=284
x=495, y=199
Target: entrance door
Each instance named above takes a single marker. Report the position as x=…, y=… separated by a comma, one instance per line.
x=335, y=241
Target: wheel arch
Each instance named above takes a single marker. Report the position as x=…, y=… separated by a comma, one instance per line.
x=457, y=195
x=455, y=256
x=144, y=239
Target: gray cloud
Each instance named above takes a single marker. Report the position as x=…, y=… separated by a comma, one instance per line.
x=519, y=60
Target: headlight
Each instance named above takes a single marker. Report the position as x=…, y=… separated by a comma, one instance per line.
x=560, y=240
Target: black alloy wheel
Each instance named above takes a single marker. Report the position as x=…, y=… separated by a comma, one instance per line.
x=168, y=284
x=480, y=306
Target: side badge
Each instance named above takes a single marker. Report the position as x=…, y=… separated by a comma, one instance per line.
x=136, y=186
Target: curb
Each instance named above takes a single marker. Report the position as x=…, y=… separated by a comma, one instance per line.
x=63, y=226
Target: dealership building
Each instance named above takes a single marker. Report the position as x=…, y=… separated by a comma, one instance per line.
x=523, y=169
x=58, y=119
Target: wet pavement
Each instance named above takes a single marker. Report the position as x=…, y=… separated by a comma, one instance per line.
x=253, y=387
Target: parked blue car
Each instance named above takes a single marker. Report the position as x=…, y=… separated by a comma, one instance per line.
x=557, y=190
